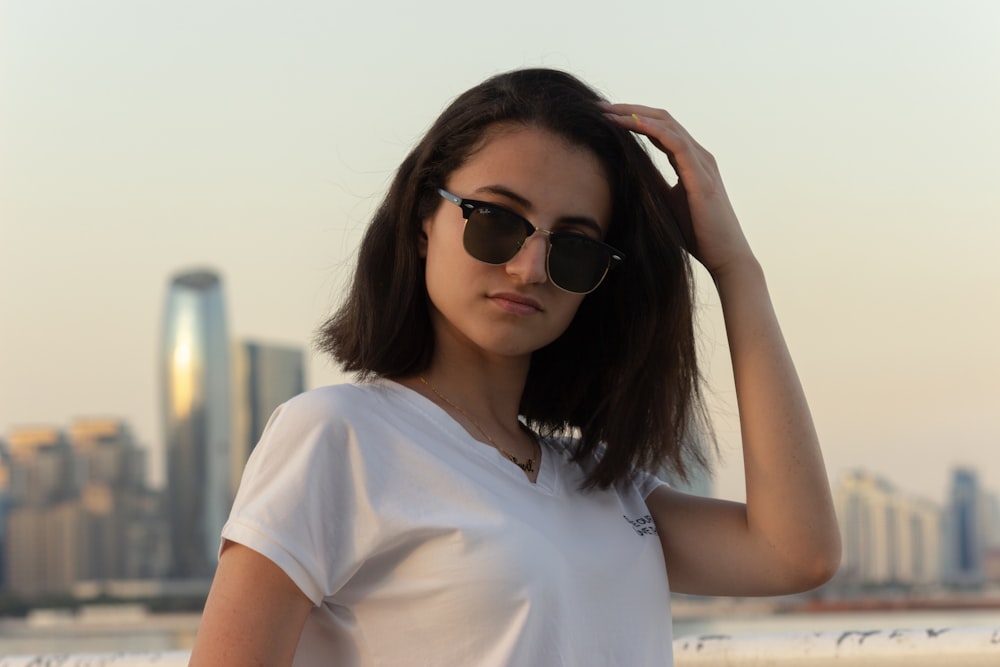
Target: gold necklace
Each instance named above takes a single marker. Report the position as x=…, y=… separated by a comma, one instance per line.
x=528, y=465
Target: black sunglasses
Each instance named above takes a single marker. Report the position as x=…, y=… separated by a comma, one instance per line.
x=493, y=235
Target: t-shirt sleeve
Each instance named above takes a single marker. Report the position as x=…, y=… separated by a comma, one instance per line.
x=647, y=482
x=298, y=503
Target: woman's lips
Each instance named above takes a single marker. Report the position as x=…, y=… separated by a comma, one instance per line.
x=517, y=304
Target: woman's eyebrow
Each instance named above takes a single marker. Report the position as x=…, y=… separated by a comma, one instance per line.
x=505, y=192
x=522, y=201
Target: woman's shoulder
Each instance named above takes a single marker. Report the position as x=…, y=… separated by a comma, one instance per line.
x=336, y=402
x=323, y=425
x=326, y=414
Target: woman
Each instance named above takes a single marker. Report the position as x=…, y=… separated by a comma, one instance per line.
x=521, y=324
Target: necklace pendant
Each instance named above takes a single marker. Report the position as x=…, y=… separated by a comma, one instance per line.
x=527, y=466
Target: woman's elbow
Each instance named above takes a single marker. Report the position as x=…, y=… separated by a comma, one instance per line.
x=819, y=565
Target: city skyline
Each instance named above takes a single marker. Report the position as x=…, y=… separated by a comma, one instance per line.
x=81, y=507
x=79, y=519
x=858, y=142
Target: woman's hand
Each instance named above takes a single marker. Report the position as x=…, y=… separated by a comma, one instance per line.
x=699, y=199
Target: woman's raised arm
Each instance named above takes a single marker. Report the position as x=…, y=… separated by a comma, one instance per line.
x=785, y=538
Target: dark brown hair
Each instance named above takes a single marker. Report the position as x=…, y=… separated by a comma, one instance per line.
x=624, y=374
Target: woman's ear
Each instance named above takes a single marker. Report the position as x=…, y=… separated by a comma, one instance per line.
x=422, y=237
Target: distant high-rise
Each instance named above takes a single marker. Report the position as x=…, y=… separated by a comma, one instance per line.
x=888, y=537
x=196, y=410
x=41, y=476
x=966, y=527
x=264, y=377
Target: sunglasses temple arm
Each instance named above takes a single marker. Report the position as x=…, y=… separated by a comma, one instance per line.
x=450, y=197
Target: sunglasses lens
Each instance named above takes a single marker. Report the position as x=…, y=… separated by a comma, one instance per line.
x=493, y=235
x=577, y=263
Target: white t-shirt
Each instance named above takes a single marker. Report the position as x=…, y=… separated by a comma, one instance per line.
x=420, y=545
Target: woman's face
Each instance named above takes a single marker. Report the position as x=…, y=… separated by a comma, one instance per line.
x=512, y=309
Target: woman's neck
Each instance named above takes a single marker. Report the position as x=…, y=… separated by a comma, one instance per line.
x=490, y=393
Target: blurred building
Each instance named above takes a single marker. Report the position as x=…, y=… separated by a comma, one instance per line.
x=79, y=510
x=38, y=531
x=5, y=502
x=264, y=377
x=41, y=466
x=126, y=524
x=967, y=529
x=196, y=410
x=888, y=538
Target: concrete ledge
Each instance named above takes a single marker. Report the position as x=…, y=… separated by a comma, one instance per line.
x=164, y=659
x=929, y=647
x=954, y=647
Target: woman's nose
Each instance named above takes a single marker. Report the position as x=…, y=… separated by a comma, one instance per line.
x=528, y=265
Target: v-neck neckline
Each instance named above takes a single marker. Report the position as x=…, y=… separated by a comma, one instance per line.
x=544, y=479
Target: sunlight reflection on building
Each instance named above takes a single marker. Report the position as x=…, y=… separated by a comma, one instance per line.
x=196, y=409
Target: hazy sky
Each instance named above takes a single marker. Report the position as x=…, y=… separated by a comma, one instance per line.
x=859, y=141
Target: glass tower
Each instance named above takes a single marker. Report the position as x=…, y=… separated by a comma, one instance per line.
x=966, y=538
x=196, y=409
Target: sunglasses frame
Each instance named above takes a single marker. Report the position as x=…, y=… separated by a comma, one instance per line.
x=468, y=206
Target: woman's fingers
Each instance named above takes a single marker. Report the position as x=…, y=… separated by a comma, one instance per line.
x=686, y=156
x=700, y=198
x=640, y=109
x=648, y=118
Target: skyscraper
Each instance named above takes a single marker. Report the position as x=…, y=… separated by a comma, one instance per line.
x=966, y=528
x=196, y=409
x=264, y=377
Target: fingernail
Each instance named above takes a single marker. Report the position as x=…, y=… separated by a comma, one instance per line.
x=637, y=119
